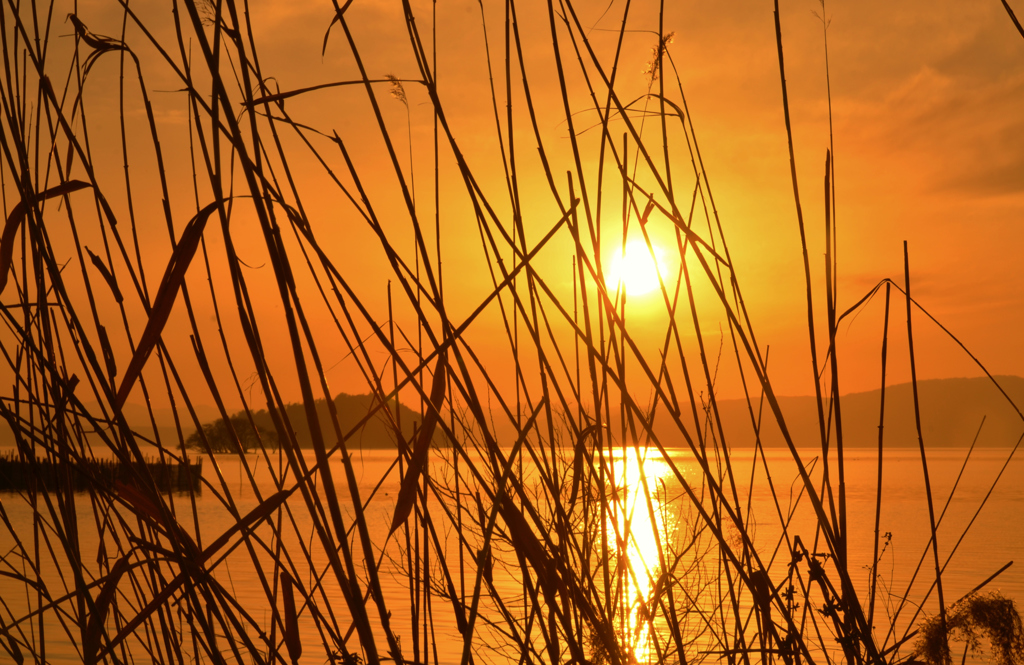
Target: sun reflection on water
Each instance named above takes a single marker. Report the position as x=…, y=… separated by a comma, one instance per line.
x=639, y=528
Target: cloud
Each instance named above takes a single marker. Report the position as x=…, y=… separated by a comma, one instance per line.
x=947, y=103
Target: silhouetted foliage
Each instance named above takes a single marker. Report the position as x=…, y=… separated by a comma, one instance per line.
x=377, y=432
x=988, y=615
x=245, y=438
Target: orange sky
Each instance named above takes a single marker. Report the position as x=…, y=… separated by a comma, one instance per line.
x=928, y=113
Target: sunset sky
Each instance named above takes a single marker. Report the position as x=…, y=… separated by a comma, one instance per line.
x=928, y=122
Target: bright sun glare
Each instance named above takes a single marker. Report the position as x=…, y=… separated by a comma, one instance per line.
x=635, y=270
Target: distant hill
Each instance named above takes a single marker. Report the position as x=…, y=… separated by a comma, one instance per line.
x=951, y=413
x=375, y=433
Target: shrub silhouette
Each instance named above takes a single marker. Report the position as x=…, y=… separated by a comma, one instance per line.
x=221, y=441
x=988, y=615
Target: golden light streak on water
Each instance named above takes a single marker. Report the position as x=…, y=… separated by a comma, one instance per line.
x=641, y=525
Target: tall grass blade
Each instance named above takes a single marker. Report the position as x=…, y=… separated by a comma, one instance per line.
x=17, y=217
x=174, y=277
x=421, y=447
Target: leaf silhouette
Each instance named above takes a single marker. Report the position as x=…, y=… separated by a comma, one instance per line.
x=165, y=297
x=16, y=217
x=250, y=519
x=291, y=619
x=108, y=352
x=107, y=275
x=143, y=505
x=260, y=512
x=94, y=629
x=523, y=537
x=578, y=460
x=12, y=644
x=97, y=42
x=421, y=447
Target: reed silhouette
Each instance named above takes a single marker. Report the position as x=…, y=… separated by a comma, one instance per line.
x=525, y=513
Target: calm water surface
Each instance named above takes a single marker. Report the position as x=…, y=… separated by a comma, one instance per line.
x=995, y=537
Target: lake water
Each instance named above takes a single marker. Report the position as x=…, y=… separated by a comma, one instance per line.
x=995, y=538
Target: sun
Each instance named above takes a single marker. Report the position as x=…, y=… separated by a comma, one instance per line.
x=636, y=270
